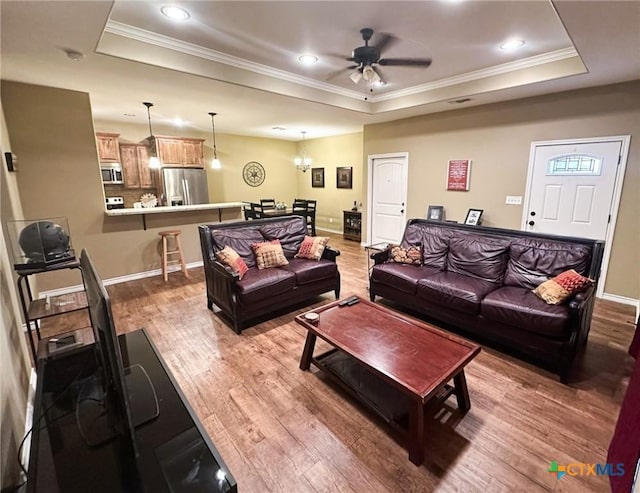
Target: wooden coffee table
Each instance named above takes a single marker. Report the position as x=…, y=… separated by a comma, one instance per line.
x=393, y=364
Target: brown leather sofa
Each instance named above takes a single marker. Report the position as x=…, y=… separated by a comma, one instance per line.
x=478, y=281
x=266, y=291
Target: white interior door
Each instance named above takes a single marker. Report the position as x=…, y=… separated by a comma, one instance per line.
x=572, y=188
x=387, y=197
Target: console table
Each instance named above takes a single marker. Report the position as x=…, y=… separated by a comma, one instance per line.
x=175, y=452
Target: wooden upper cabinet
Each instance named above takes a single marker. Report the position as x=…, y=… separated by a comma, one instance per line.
x=169, y=151
x=193, y=150
x=178, y=151
x=108, y=150
x=135, y=166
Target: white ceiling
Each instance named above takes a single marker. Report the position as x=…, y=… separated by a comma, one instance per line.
x=240, y=58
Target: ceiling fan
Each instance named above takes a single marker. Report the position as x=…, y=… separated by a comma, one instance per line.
x=365, y=57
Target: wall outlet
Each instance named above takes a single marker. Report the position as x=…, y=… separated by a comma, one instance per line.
x=513, y=200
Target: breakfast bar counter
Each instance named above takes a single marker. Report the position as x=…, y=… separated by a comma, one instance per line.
x=143, y=211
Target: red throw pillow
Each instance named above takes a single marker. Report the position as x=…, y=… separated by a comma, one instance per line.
x=229, y=257
x=562, y=287
x=312, y=247
x=269, y=254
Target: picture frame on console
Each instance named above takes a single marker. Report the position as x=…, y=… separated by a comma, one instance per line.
x=317, y=177
x=474, y=217
x=435, y=213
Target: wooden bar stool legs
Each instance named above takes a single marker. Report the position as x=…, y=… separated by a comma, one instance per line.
x=175, y=233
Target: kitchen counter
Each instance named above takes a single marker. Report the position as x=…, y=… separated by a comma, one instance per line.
x=173, y=208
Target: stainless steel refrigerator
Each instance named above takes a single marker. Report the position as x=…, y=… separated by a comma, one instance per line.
x=184, y=186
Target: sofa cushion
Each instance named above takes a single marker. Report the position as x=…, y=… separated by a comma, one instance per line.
x=308, y=271
x=434, y=242
x=532, y=261
x=240, y=239
x=290, y=233
x=229, y=257
x=312, y=247
x=478, y=256
x=269, y=254
x=259, y=284
x=519, y=307
x=411, y=255
x=456, y=291
x=562, y=287
x=402, y=277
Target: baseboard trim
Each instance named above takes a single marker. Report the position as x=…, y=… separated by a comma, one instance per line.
x=624, y=300
x=117, y=280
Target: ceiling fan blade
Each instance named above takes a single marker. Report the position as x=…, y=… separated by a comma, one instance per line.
x=337, y=73
x=409, y=62
x=385, y=40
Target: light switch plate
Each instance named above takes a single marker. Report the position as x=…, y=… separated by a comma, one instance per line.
x=514, y=200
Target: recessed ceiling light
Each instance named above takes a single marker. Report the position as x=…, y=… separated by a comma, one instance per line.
x=178, y=122
x=512, y=44
x=175, y=13
x=74, y=55
x=307, y=59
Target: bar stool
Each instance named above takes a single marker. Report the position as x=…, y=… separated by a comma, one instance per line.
x=175, y=233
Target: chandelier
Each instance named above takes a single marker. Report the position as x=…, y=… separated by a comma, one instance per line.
x=154, y=162
x=215, y=163
x=302, y=162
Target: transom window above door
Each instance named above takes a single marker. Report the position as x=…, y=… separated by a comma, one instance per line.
x=574, y=164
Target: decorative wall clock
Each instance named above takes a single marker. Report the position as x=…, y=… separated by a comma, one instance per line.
x=253, y=174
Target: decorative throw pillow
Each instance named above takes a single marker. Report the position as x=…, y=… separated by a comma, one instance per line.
x=312, y=247
x=411, y=255
x=229, y=257
x=269, y=254
x=563, y=286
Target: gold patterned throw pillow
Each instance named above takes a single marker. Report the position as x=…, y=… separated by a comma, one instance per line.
x=562, y=287
x=312, y=247
x=269, y=254
x=229, y=257
x=411, y=255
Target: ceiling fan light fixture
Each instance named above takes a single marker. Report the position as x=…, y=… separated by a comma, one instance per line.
x=174, y=12
x=355, y=76
x=368, y=73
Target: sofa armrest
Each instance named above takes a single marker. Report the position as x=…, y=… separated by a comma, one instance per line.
x=219, y=269
x=581, y=299
x=330, y=253
x=380, y=257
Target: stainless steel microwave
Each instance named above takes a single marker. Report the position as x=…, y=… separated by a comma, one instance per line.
x=111, y=173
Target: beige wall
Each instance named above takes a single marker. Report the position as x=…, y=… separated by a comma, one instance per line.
x=330, y=153
x=497, y=138
x=14, y=358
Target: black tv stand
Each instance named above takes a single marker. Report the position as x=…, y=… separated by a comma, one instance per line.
x=93, y=415
x=175, y=454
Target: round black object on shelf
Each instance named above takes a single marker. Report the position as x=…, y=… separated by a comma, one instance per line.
x=44, y=241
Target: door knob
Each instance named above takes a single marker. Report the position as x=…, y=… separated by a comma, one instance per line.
x=531, y=223
x=532, y=213
x=401, y=211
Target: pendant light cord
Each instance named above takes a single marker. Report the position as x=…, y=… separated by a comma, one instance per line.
x=213, y=129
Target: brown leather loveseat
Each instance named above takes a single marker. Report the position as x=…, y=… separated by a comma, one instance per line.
x=263, y=291
x=479, y=281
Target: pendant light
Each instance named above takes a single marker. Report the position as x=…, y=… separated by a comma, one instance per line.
x=215, y=162
x=154, y=162
x=303, y=163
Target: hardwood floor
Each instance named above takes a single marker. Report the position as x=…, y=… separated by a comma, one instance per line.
x=281, y=429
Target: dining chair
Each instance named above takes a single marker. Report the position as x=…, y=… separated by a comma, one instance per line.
x=299, y=206
x=268, y=203
x=311, y=215
x=258, y=210
x=247, y=210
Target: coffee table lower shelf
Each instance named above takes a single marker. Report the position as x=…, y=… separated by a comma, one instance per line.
x=377, y=395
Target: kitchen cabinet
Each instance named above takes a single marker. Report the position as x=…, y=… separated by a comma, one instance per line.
x=180, y=151
x=108, y=149
x=135, y=166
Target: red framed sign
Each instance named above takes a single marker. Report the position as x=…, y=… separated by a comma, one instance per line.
x=458, y=174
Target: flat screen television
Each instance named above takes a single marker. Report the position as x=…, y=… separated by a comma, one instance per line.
x=116, y=399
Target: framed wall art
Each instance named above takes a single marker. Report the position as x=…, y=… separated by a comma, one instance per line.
x=458, y=174
x=317, y=177
x=474, y=217
x=344, y=177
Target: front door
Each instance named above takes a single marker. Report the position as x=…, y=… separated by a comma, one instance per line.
x=388, y=197
x=574, y=188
